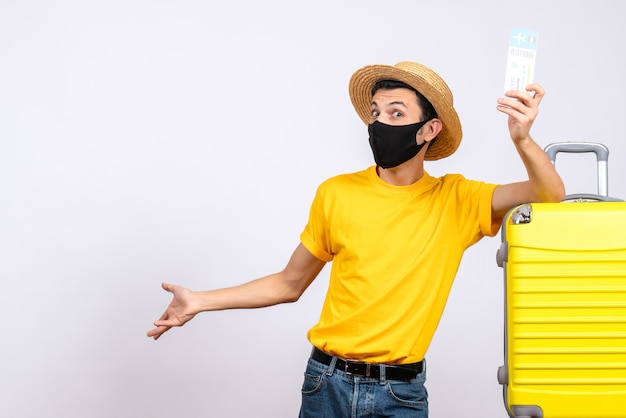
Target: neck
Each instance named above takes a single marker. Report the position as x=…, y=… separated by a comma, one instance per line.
x=403, y=175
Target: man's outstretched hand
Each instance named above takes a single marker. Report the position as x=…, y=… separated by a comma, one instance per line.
x=179, y=311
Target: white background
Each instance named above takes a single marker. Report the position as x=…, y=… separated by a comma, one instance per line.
x=149, y=141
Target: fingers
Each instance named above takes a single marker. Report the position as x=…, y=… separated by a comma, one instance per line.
x=517, y=99
x=531, y=96
x=515, y=108
x=157, y=332
x=163, y=324
x=166, y=323
x=523, y=102
x=537, y=92
x=174, y=315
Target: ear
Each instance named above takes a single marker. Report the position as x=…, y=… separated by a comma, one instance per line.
x=432, y=129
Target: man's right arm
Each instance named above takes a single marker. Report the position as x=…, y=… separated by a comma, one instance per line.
x=282, y=287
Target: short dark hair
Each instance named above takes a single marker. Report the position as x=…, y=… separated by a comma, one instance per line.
x=428, y=111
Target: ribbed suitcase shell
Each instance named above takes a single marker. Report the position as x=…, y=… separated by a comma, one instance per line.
x=565, y=310
x=565, y=288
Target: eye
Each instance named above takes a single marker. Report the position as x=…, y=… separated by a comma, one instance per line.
x=397, y=114
x=375, y=113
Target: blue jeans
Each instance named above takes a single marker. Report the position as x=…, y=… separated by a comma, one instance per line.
x=328, y=393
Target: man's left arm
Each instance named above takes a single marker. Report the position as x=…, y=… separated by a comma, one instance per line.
x=544, y=184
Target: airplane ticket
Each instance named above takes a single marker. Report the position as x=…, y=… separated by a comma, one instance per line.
x=520, y=67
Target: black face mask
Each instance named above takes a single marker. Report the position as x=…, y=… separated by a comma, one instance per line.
x=394, y=145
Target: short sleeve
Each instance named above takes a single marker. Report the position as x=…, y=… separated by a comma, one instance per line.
x=316, y=235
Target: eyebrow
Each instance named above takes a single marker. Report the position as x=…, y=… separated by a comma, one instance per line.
x=401, y=103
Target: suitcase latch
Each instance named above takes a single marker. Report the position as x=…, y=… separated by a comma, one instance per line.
x=522, y=215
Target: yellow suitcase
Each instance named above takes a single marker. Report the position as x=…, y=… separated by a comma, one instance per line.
x=565, y=303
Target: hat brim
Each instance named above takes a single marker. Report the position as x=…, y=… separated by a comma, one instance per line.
x=422, y=79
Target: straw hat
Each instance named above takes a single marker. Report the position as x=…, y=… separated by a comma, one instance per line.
x=422, y=79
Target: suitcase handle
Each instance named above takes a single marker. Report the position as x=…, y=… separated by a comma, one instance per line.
x=602, y=156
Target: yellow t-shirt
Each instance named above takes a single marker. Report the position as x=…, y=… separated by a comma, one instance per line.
x=395, y=252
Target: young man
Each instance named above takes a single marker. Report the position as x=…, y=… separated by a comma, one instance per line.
x=396, y=236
